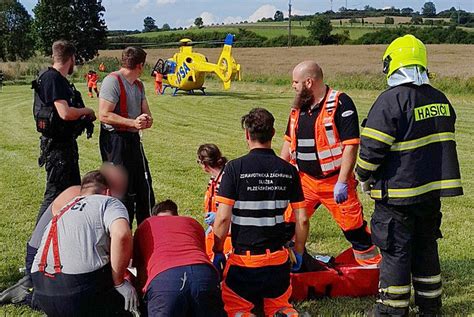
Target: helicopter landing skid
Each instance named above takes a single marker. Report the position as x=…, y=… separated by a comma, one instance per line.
x=190, y=92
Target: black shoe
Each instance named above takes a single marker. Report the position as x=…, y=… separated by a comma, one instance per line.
x=17, y=293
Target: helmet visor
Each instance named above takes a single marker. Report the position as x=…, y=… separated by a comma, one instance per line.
x=386, y=64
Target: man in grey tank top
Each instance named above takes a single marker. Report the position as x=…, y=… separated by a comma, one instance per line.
x=124, y=113
x=83, y=255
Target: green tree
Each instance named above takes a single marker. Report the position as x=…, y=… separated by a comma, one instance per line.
x=416, y=19
x=389, y=20
x=16, y=39
x=320, y=29
x=198, y=22
x=429, y=10
x=166, y=27
x=79, y=21
x=278, y=16
x=406, y=11
x=149, y=25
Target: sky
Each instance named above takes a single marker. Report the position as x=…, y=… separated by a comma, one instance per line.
x=129, y=14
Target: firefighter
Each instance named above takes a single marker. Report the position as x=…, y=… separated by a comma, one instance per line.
x=254, y=193
x=91, y=78
x=407, y=161
x=210, y=158
x=322, y=139
x=124, y=113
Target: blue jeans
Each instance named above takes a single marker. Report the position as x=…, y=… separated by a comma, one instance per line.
x=191, y=290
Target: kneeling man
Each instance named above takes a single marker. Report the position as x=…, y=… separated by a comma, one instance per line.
x=84, y=252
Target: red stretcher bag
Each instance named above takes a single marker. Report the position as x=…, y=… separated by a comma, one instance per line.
x=341, y=277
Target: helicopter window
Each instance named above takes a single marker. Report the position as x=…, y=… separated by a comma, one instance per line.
x=191, y=78
x=189, y=60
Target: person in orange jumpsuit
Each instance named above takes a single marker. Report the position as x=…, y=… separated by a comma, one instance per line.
x=92, y=77
x=158, y=82
x=210, y=158
x=321, y=140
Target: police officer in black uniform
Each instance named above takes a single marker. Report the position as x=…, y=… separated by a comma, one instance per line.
x=407, y=161
x=60, y=117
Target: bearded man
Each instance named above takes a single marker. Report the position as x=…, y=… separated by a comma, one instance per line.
x=322, y=140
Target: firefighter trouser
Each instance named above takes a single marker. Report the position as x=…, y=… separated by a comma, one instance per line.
x=348, y=215
x=62, y=170
x=406, y=236
x=257, y=280
x=124, y=148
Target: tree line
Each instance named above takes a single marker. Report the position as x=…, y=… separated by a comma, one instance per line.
x=79, y=21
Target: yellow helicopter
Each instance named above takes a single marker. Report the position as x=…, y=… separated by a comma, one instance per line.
x=186, y=70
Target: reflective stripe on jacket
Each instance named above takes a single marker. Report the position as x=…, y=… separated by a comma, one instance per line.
x=328, y=145
x=408, y=146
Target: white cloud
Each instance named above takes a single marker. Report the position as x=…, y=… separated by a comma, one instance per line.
x=229, y=20
x=298, y=12
x=265, y=11
x=208, y=18
x=141, y=4
x=163, y=2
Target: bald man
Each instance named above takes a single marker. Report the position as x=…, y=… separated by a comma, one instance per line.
x=321, y=140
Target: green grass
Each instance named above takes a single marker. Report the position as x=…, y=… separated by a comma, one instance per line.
x=181, y=124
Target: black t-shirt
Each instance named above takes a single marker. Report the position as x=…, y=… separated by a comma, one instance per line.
x=347, y=124
x=54, y=86
x=259, y=186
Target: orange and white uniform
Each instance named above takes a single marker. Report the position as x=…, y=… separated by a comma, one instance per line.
x=92, y=79
x=210, y=205
x=317, y=138
x=158, y=82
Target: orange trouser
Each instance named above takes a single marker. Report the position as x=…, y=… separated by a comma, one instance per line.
x=92, y=85
x=348, y=215
x=257, y=278
x=210, y=245
x=158, y=86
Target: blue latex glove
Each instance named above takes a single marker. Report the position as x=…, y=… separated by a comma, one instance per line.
x=299, y=260
x=219, y=262
x=340, y=192
x=209, y=218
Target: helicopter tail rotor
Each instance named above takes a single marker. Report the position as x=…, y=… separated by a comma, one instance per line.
x=227, y=67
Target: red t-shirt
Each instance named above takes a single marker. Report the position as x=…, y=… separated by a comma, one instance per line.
x=165, y=242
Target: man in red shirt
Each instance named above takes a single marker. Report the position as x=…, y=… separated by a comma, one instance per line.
x=174, y=272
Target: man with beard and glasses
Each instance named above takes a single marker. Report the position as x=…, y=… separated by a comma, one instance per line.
x=60, y=115
x=321, y=140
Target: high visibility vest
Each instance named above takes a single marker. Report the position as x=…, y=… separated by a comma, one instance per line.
x=328, y=145
x=210, y=203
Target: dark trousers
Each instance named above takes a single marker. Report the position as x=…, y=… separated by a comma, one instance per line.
x=89, y=294
x=125, y=149
x=61, y=161
x=191, y=290
x=406, y=236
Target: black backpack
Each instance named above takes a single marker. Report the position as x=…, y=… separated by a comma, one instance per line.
x=44, y=113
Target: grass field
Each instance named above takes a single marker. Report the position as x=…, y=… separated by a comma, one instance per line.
x=181, y=124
